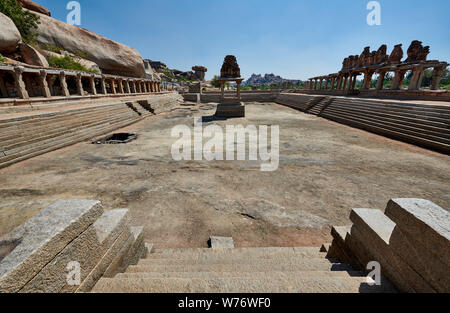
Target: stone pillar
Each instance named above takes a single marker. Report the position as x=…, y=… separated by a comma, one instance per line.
x=320, y=83
x=416, y=80
x=158, y=85
x=437, y=76
x=127, y=86
x=381, y=77
x=43, y=83
x=355, y=78
x=350, y=81
x=310, y=86
x=238, y=83
x=222, y=91
x=333, y=80
x=3, y=90
x=103, y=84
x=133, y=86
x=138, y=86
x=79, y=85
x=315, y=84
x=92, y=81
x=113, y=86
x=63, y=82
x=339, y=82
x=20, y=85
x=120, y=82
x=397, y=81
x=367, y=80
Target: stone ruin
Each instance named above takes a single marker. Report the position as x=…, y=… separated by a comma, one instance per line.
x=230, y=68
x=370, y=62
x=199, y=72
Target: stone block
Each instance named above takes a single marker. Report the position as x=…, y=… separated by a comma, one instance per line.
x=87, y=249
x=425, y=222
x=374, y=230
x=41, y=238
x=230, y=109
x=221, y=242
x=119, y=262
x=99, y=270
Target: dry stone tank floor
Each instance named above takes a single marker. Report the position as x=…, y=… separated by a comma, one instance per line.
x=325, y=169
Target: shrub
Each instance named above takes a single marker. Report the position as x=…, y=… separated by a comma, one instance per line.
x=2, y=59
x=68, y=63
x=25, y=21
x=53, y=48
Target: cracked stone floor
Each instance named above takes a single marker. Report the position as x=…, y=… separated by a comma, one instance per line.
x=325, y=170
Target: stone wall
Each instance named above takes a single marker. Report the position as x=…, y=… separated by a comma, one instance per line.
x=38, y=256
x=411, y=242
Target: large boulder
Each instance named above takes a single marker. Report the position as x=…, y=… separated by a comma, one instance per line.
x=112, y=57
x=33, y=6
x=31, y=56
x=9, y=35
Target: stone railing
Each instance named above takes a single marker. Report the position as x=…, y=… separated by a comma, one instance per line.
x=67, y=248
x=410, y=242
x=20, y=82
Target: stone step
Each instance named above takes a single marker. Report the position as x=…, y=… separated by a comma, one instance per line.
x=43, y=142
x=225, y=259
x=206, y=275
x=48, y=116
x=58, y=129
x=422, y=124
x=396, y=126
x=397, y=106
x=75, y=138
x=234, y=255
x=421, y=119
x=250, y=266
x=235, y=251
x=239, y=285
x=387, y=132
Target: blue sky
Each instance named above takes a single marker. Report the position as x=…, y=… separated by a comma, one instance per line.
x=296, y=39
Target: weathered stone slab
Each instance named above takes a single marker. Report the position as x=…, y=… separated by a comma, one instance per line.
x=87, y=249
x=138, y=250
x=42, y=237
x=104, y=263
x=230, y=110
x=221, y=242
x=375, y=231
x=118, y=264
x=338, y=249
x=425, y=222
x=436, y=273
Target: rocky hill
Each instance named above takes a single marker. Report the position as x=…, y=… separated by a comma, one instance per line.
x=267, y=79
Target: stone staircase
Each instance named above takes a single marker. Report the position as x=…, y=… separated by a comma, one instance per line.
x=320, y=106
x=28, y=135
x=424, y=125
x=243, y=270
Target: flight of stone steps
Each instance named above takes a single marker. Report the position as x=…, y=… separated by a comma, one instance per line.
x=31, y=135
x=320, y=106
x=23, y=136
x=241, y=270
x=419, y=124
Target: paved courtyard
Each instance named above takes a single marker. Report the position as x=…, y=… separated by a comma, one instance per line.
x=325, y=170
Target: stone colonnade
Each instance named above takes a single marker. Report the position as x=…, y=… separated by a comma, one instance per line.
x=24, y=83
x=346, y=79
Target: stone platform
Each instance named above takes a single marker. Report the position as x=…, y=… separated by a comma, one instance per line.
x=230, y=109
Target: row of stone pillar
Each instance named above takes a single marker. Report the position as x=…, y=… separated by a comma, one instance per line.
x=347, y=81
x=124, y=86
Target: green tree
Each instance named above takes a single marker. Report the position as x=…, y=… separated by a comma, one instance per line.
x=25, y=21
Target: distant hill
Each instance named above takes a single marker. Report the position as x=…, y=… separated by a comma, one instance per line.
x=267, y=79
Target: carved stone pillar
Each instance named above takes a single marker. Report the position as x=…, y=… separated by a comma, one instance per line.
x=381, y=77
x=333, y=80
x=20, y=85
x=120, y=83
x=416, y=80
x=355, y=78
x=92, y=82
x=80, y=90
x=103, y=84
x=3, y=90
x=437, y=76
x=43, y=83
x=339, y=82
x=133, y=86
x=397, y=81
x=63, y=82
x=113, y=86
x=320, y=83
x=350, y=82
x=367, y=80
x=138, y=87
x=127, y=86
